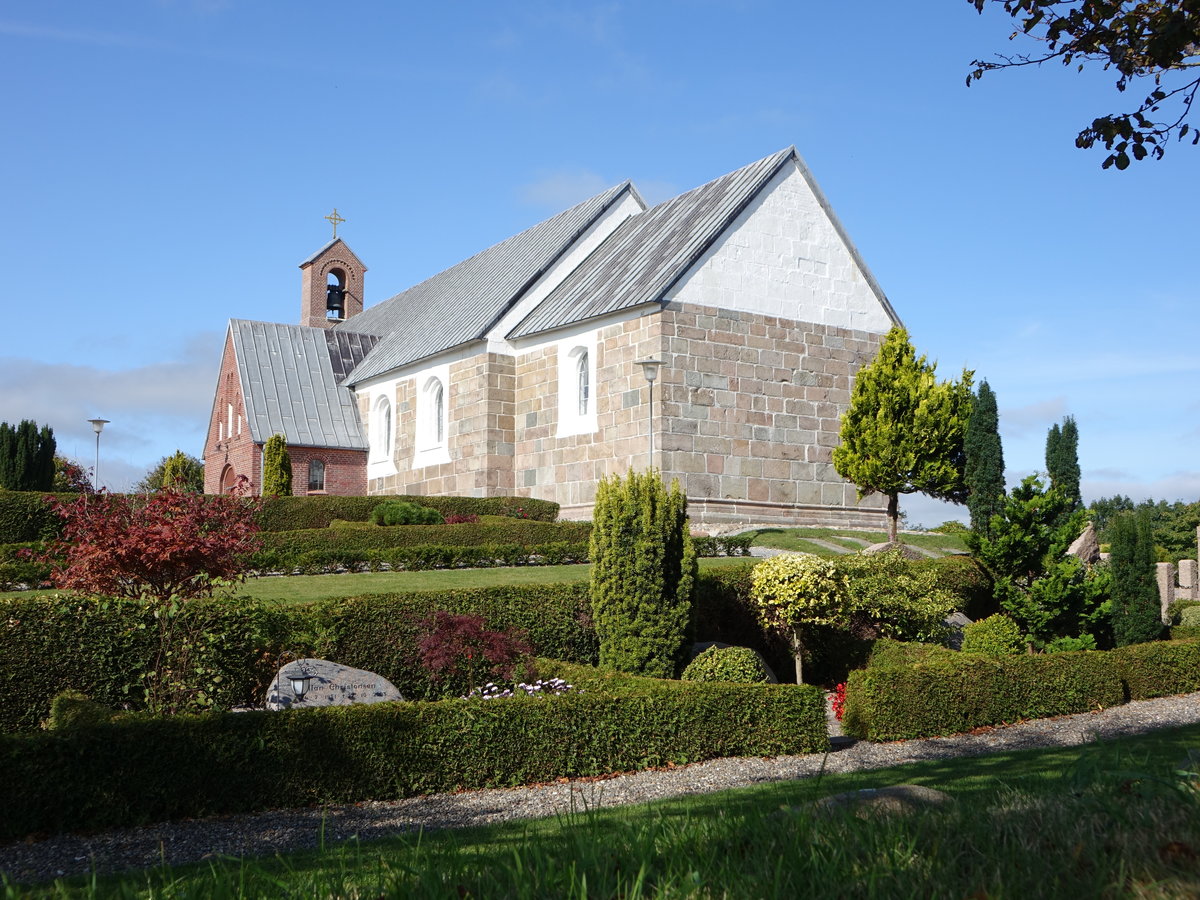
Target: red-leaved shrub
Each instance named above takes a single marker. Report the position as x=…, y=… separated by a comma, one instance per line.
x=170, y=544
x=460, y=654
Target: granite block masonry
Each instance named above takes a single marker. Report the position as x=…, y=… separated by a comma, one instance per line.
x=328, y=684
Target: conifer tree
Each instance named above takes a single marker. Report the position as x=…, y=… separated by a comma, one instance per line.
x=1136, y=615
x=643, y=573
x=277, y=468
x=903, y=432
x=26, y=457
x=1062, y=460
x=984, y=466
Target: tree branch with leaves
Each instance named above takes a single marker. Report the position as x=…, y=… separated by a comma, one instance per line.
x=1147, y=40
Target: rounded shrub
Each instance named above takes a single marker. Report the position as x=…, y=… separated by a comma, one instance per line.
x=398, y=512
x=996, y=635
x=737, y=664
x=1189, y=616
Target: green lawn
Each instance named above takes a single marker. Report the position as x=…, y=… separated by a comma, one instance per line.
x=1105, y=819
x=301, y=589
x=798, y=539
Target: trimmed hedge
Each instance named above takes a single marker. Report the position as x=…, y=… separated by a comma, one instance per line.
x=26, y=516
x=379, y=632
x=144, y=770
x=958, y=693
x=298, y=513
x=20, y=565
x=102, y=648
x=420, y=557
x=1158, y=668
x=517, y=531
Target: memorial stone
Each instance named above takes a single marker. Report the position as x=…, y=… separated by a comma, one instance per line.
x=326, y=683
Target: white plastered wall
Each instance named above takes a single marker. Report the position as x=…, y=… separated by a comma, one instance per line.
x=784, y=257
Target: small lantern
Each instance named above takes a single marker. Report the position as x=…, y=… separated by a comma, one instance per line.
x=300, y=684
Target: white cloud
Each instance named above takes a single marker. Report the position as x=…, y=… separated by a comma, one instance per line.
x=1175, y=486
x=1019, y=421
x=562, y=189
x=154, y=409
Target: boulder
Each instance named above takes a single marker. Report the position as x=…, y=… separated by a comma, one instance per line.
x=1086, y=547
x=328, y=684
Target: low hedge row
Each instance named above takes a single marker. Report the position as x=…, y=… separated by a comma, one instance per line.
x=357, y=538
x=419, y=558
x=723, y=544
x=298, y=513
x=104, y=648
x=950, y=693
x=379, y=632
x=141, y=770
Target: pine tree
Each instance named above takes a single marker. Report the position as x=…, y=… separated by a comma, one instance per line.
x=643, y=573
x=26, y=457
x=1062, y=460
x=1136, y=614
x=984, y=468
x=903, y=432
x=277, y=468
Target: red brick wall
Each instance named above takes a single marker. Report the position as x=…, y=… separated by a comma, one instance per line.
x=222, y=449
x=345, y=470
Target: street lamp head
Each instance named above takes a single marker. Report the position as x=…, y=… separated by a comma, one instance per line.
x=650, y=368
x=98, y=424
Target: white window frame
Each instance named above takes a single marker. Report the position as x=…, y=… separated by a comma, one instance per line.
x=383, y=429
x=576, y=358
x=433, y=421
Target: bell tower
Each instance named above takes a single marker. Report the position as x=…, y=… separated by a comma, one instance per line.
x=331, y=283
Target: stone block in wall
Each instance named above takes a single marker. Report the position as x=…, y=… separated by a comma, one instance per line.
x=1189, y=580
x=1165, y=573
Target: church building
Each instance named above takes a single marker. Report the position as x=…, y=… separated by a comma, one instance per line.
x=714, y=336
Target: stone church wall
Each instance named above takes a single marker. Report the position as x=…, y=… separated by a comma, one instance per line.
x=752, y=409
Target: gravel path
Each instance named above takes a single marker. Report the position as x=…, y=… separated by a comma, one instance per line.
x=279, y=831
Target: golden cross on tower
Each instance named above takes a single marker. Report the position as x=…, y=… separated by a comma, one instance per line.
x=335, y=220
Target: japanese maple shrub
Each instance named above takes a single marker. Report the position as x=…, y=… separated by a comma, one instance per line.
x=163, y=549
x=460, y=654
x=172, y=544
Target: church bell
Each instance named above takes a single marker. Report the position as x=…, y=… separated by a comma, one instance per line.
x=335, y=301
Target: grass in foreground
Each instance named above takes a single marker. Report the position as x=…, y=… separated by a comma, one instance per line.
x=799, y=539
x=1105, y=820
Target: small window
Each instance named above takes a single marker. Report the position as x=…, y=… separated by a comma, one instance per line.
x=316, y=475
x=581, y=378
x=381, y=439
x=439, y=411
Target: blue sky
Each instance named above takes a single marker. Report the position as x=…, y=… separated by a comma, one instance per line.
x=168, y=164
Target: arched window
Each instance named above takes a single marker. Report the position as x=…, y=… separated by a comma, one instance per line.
x=581, y=382
x=439, y=413
x=381, y=430
x=316, y=475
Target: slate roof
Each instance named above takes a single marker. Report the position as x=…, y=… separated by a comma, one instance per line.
x=462, y=303
x=293, y=382
x=649, y=252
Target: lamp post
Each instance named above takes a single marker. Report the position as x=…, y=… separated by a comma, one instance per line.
x=650, y=369
x=97, y=426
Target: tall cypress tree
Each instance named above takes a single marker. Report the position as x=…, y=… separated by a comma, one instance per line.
x=277, y=468
x=26, y=457
x=984, y=468
x=643, y=573
x=1062, y=460
x=1136, y=615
